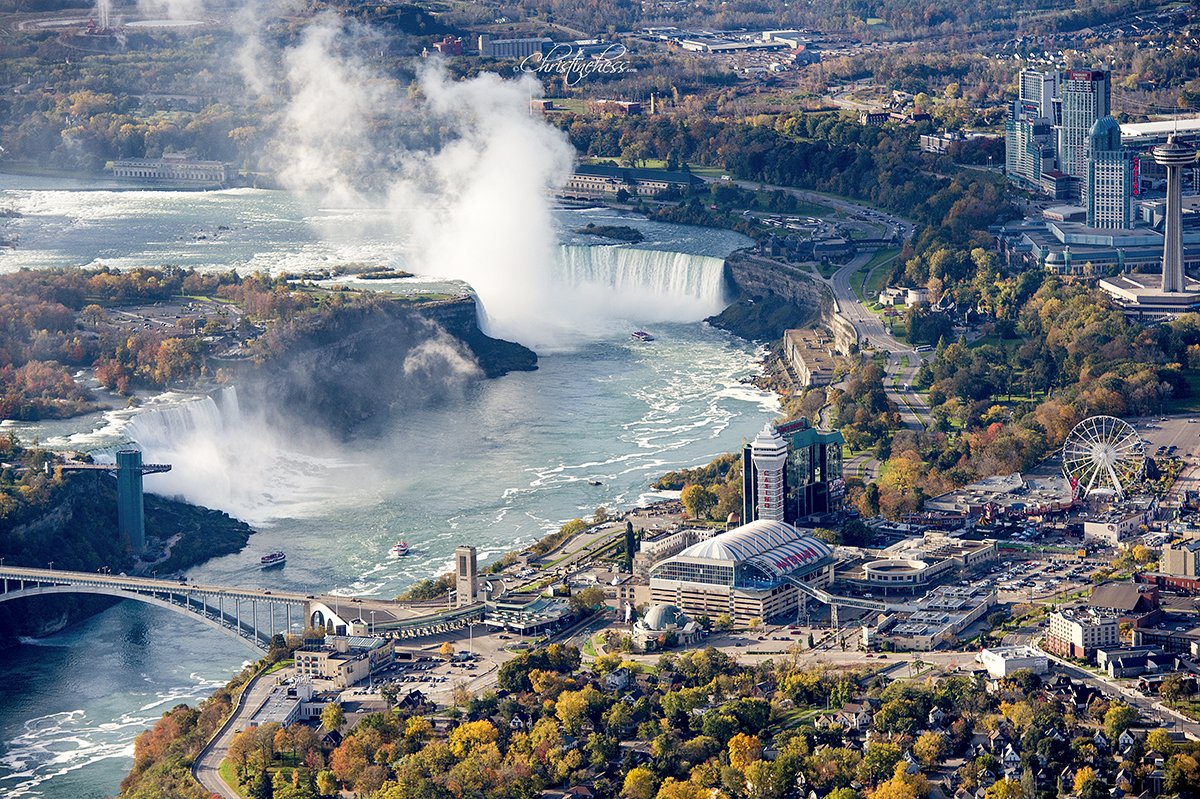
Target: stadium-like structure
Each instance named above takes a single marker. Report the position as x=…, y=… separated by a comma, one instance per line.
x=749, y=572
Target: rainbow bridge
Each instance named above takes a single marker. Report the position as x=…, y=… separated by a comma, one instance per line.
x=250, y=615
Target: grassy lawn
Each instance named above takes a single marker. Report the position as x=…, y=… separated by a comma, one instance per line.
x=229, y=773
x=1191, y=403
x=283, y=664
x=827, y=268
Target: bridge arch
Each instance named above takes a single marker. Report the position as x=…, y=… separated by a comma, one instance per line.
x=44, y=590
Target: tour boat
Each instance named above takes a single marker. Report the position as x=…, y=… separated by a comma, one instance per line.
x=642, y=335
x=273, y=559
x=399, y=549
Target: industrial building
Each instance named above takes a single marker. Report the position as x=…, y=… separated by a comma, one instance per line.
x=512, y=48
x=174, y=168
x=810, y=353
x=748, y=572
x=598, y=180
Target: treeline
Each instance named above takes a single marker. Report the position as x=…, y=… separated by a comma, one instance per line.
x=823, y=152
x=56, y=321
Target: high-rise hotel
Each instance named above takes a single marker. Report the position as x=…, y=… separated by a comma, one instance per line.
x=1086, y=98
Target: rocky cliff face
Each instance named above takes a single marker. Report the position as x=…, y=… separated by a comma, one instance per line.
x=771, y=298
x=349, y=369
x=76, y=527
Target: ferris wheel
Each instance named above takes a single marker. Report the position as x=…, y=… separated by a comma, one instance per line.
x=1103, y=454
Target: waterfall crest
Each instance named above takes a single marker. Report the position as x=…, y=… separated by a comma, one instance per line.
x=642, y=284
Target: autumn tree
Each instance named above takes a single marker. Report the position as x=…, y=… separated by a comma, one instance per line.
x=697, y=500
x=333, y=716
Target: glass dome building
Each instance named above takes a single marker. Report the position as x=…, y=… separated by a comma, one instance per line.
x=747, y=572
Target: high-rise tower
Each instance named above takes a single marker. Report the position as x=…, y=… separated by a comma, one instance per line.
x=1086, y=97
x=465, y=576
x=1108, y=192
x=769, y=452
x=1173, y=156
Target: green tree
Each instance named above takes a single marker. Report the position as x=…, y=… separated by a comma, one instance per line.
x=698, y=500
x=327, y=784
x=1119, y=718
x=930, y=748
x=333, y=716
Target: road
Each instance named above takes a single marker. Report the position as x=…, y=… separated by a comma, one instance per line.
x=902, y=362
x=207, y=765
x=1148, y=706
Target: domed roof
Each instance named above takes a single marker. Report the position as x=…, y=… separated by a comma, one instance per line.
x=661, y=617
x=1105, y=134
x=743, y=543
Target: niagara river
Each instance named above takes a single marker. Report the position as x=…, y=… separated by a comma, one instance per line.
x=498, y=466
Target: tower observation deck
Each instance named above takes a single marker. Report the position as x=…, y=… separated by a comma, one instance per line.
x=131, y=511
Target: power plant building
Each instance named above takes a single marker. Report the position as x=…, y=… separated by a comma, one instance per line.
x=748, y=572
x=810, y=481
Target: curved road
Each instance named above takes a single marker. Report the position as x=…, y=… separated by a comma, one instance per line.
x=207, y=765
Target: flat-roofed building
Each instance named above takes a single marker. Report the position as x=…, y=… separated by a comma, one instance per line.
x=1181, y=558
x=345, y=660
x=600, y=180
x=811, y=356
x=174, y=168
x=1004, y=661
x=1079, y=633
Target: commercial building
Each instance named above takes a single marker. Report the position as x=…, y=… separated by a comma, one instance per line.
x=287, y=704
x=512, y=48
x=811, y=356
x=1078, y=633
x=1004, y=661
x=940, y=617
x=915, y=564
x=1144, y=137
x=664, y=544
x=1181, y=559
x=600, y=180
x=1108, y=191
x=1136, y=604
x=1040, y=93
x=526, y=614
x=172, y=167
x=1086, y=98
x=662, y=627
x=1008, y=496
x=1114, y=527
x=1177, y=635
x=748, y=572
x=345, y=660
x=810, y=482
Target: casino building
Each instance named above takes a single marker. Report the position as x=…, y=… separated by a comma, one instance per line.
x=792, y=472
x=747, y=572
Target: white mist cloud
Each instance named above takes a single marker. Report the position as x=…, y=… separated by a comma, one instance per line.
x=171, y=9
x=467, y=172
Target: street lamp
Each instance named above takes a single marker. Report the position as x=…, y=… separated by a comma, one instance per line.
x=51, y=565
